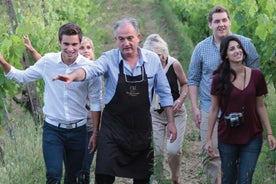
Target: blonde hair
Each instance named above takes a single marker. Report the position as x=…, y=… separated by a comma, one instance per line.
x=86, y=39
x=155, y=43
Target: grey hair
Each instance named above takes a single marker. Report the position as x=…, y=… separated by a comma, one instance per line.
x=155, y=43
x=124, y=21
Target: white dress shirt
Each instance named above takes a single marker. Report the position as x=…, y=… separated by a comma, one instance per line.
x=63, y=103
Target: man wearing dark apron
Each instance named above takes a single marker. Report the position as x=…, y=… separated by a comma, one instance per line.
x=130, y=74
x=126, y=131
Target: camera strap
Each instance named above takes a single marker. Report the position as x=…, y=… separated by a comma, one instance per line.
x=221, y=97
x=222, y=111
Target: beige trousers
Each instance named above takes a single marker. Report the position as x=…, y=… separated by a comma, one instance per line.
x=211, y=166
x=162, y=145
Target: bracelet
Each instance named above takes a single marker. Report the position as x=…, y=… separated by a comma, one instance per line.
x=185, y=94
x=270, y=134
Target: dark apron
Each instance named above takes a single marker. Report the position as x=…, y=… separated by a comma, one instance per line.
x=124, y=140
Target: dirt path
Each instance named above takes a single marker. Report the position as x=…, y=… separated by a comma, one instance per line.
x=143, y=12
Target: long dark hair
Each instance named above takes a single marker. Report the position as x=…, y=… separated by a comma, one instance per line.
x=224, y=70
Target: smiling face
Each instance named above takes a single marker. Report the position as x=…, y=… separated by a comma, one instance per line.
x=69, y=45
x=127, y=40
x=220, y=25
x=234, y=52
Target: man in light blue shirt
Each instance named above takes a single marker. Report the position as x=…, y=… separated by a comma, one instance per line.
x=64, y=130
x=204, y=61
x=130, y=74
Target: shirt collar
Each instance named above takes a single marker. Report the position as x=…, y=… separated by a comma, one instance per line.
x=142, y=58
x=76, y=61
x=213, y=37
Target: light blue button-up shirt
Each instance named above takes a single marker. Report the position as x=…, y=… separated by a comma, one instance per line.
x=205, y=59
x=108, y=66
x=61, y=103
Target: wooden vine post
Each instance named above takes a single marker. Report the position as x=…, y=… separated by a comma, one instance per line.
x=36, y=108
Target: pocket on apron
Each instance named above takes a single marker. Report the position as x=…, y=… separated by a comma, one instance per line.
x=132, y=140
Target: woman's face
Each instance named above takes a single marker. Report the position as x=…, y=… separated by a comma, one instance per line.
x=86, y=50
x=161, y=56
x=234, y=52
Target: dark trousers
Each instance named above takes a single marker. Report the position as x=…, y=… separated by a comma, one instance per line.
x=60, y=145
x=108, y=179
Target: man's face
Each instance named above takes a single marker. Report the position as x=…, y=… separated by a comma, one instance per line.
x=127, y=40
x=69, y=45
x=220, y=25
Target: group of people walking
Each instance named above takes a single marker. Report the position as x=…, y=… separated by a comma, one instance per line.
x=144, y=116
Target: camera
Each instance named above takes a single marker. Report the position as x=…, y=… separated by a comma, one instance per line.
x=234, y=119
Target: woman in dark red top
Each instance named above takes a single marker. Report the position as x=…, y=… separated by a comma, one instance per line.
x=238, y=95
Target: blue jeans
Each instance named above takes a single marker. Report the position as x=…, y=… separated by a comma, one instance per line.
x=60, y=145
x=238, y=162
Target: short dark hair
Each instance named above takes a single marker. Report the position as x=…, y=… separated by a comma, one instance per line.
x=69, y=29
x=217, y=9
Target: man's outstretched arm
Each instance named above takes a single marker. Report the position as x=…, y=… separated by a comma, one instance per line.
x=77, y=75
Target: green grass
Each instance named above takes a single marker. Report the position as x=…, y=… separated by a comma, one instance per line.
x=271, y=106
x=23, y=160
x=266, y=166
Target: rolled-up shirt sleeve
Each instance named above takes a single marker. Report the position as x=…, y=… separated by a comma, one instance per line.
x=95, y=94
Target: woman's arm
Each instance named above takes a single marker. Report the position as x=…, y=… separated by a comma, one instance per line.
x=182, y=79
x=35, y=55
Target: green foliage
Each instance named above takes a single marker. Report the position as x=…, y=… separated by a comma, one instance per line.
x=23, y=160
x=193, y=15
x=180, y=40
x=41, y=21
x=271, y=108
x=265, y=169
x=253, y=19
